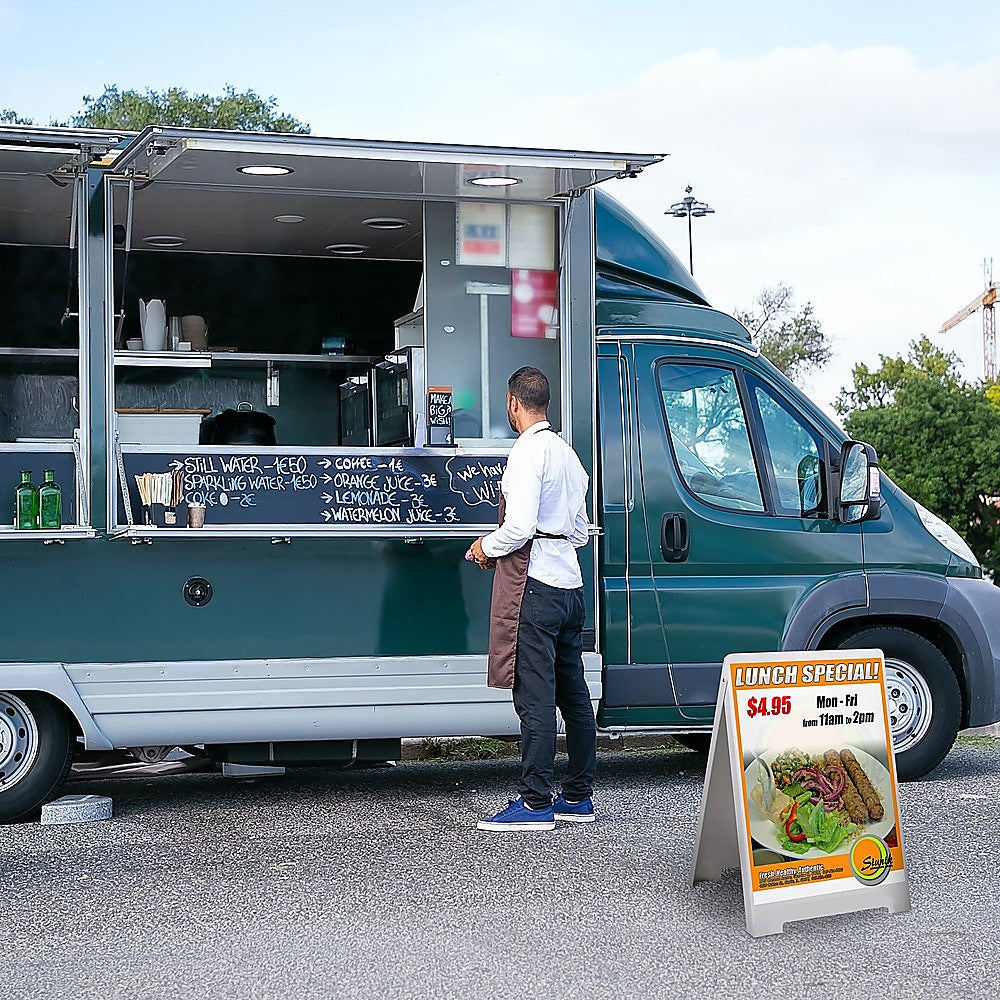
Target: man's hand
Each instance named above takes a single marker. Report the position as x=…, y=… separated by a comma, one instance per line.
x=482, y=560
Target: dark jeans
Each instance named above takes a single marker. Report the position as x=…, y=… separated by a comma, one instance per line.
x=549, y=673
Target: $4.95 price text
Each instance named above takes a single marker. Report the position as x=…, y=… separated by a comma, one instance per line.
x=776, y=705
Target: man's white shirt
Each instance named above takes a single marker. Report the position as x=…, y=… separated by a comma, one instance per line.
x=545, y=489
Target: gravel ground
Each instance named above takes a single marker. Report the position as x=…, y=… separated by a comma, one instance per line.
x=375, y=883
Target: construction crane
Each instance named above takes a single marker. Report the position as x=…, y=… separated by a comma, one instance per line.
x=984, y=301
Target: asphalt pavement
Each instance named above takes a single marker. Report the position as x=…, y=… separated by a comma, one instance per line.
x=375, y=883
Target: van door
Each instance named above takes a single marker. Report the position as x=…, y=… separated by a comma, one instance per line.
x=633, y=645
x=736, y=492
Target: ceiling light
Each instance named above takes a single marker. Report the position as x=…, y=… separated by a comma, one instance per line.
x=264, y=170
x=164, y=241
x=494, y=180
x=348, y=249
x=290, y=218
x=385, y=222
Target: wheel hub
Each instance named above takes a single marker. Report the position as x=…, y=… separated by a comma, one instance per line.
x=18, y=740
x=910, y=704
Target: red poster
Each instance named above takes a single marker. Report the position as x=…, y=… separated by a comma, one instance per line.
x=534, y=304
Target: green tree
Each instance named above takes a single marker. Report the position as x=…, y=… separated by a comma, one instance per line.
x=133, y=110
x=937, y=436
x=8, y=117
x=791, y=339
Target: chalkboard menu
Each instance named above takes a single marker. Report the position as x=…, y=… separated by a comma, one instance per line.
x=62, y=463
x=356, y=489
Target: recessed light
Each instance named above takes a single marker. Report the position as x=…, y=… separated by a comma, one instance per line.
x=291, y=219
x=385, y=222
x=164, y=241
x=348, y=249
x=494, y=180
x=264, y=170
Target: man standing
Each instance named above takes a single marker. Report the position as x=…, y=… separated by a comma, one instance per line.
x=537, y=612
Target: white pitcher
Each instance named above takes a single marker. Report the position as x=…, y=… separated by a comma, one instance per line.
x=153, y=323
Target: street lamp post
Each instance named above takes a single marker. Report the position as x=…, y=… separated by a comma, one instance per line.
x=689, y=207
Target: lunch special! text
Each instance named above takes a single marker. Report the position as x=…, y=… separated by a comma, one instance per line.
x=806, y=673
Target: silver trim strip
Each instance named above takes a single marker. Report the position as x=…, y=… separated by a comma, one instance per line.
x=678, y=339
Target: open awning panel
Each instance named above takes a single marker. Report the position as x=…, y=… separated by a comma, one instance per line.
x=406, y=170
x=236, y=192
x=37, y=166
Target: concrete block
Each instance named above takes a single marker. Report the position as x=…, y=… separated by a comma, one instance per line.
x=250, y=770
x=77, y=809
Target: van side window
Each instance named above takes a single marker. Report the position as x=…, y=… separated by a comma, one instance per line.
x=708, y=431
x=795, y=454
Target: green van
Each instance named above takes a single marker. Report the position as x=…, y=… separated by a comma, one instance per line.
x=319, y=379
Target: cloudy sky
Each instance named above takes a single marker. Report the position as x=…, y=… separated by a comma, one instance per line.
x=851, y=150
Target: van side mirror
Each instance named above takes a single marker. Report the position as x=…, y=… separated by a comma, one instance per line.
x=860, y=484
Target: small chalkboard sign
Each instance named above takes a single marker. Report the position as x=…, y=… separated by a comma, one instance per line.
x=440, y=417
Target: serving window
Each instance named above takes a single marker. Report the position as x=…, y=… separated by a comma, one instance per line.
x=42, y=366
x=334, y=326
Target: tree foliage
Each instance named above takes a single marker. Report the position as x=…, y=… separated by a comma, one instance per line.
x=937, y=437
x=878, y=388
x=133, y=110
x=791, y=339
x=8, y=117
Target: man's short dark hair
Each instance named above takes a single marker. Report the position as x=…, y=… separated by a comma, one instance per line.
x=531, y=387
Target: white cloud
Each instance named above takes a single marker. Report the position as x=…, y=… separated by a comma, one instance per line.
x=861, y=177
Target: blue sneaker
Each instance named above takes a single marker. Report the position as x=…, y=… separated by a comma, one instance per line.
x=574, y=812
x=517, y=816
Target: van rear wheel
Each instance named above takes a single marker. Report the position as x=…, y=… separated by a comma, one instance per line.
x=36, y=749
x=923, y=697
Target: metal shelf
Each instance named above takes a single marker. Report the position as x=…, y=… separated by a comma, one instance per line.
x=163, y=359
x=194, y=359
x=66, y=534
x=208, y=359
x=39, y=352
x=238, y=357
x=286, y=532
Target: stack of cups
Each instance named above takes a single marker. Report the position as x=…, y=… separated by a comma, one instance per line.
x=195, y=332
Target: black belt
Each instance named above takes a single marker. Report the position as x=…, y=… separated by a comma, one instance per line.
x=545, y=534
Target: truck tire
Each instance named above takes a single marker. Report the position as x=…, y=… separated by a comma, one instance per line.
x=36, y=750
x=923, y=696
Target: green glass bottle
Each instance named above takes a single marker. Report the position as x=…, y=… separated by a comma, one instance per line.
x=49, y=502
x=26, y=504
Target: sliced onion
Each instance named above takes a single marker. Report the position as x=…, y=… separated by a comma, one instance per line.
x=838, y=778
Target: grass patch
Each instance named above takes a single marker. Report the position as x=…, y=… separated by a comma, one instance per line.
x=473, y=748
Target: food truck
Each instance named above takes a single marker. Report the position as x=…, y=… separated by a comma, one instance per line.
x=267, y=374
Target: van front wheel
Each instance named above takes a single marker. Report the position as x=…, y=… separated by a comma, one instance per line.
x=36, y=749
x=923, y=697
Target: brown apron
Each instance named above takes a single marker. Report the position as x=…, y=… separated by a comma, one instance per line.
x=509, y=580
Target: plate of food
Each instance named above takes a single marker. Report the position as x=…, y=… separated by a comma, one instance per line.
x=814, y=805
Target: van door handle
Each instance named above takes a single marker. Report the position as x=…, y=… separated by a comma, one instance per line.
x=675, y=538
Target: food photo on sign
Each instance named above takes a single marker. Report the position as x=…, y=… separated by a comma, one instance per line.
x=817, y=802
